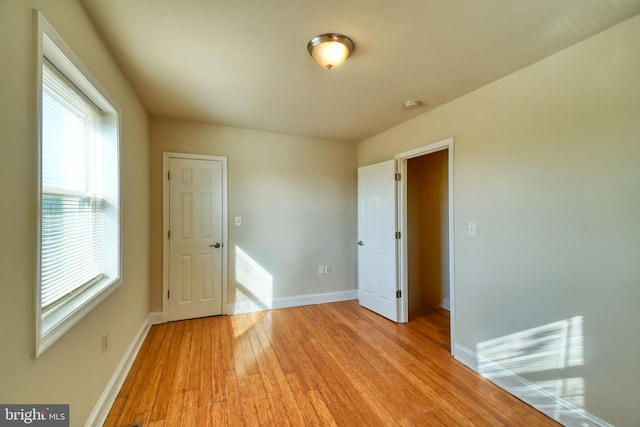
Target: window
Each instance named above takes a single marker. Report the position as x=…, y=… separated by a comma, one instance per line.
x=79, y=221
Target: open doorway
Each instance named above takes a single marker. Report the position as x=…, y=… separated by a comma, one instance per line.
x=427, y=232
x=425, y=214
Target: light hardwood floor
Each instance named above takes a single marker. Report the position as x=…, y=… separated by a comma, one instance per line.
x=330, y=364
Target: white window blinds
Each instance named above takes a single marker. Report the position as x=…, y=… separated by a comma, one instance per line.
x=73, y=221
x=71, y=224
x=78, y=191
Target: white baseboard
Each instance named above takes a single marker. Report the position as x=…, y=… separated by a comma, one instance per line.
x=562, y=411
x=446, y=304
x=108, y=396
x=295, y=301
x=155, y=318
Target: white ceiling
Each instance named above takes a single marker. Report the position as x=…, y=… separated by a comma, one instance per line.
x=244, y=63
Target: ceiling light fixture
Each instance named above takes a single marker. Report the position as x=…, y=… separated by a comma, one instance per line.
x=330, y=50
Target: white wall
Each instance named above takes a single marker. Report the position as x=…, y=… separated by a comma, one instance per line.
x=296, y=197
x=546, y=163
x=73, y=370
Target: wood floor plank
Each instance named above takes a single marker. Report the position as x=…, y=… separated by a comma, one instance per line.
x=392, y=355
x=158, y=363
x=114, y=412
x=320, y=407
x=268, y=400
x=184, y=356
x=195, y=356
x=260, y=401
x=219, y=414
x=174, y=409
x=234, y=409
x=205, y=393
x=217, y=361
x=284, y=394
x=247, y=403
x=328, y=365
x=227, y=344
x=148, y=356
x=304, y=403
x=205, y=414
x=170, y=362
x=190, y=409
x=379, y=407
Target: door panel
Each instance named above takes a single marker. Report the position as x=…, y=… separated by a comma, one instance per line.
x=377, y=278
x=195, y=222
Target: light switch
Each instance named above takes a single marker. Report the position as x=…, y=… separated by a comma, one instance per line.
x=472, y=229
x=238, y=221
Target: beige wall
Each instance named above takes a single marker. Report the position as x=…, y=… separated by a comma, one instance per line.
x=296, y=197
x=427, y=230
x=73, y=370
x=546, y=164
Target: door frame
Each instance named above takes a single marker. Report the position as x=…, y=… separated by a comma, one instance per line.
x=401, y=167
x=166, y=157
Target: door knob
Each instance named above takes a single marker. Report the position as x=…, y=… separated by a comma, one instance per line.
x=217, y=245
x=360, y=243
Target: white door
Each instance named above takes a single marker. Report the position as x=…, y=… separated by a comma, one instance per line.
x=377, y=239
x=195, y=241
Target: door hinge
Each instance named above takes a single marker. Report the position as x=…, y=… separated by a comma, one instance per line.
x=168, y=174
x=397, y=234
x=168, y=294
x=398, y=294
x=398, y=176
x=169, y=234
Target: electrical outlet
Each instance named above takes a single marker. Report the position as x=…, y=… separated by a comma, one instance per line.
x=105, y=341
x=327, y=269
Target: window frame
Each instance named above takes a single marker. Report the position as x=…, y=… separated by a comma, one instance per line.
x=56, y=320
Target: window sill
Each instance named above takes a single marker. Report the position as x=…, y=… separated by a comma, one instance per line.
x=59, y=319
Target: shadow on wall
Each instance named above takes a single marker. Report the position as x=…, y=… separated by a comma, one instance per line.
x=549, y=358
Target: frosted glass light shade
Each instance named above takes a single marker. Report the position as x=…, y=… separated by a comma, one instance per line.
x=330, y=50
